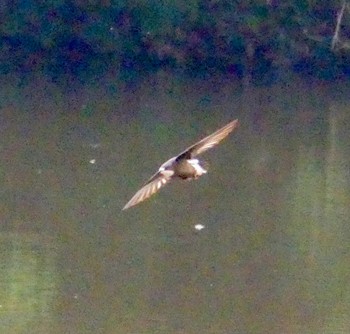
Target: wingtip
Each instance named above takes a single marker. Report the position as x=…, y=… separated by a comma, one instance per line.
x=127, y=206
x=231, y=125
x=235, y=122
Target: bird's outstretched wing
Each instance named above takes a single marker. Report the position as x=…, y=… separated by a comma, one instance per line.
x=151, y=187
x=164, y=174
x=208, y=142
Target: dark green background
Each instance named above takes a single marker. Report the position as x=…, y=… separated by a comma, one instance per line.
x=84, y=40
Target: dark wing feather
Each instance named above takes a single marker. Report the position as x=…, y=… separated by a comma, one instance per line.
x=151, y=187
x=208, y=142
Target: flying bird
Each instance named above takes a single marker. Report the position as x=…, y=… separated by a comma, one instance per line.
x=182, y=166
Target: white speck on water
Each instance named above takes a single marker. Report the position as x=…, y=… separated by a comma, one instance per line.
x=92, y=161
x=199, y=227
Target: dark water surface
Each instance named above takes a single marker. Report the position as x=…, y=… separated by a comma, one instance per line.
x=274, y=256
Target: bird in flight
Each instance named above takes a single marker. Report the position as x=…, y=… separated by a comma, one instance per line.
x=182, y=166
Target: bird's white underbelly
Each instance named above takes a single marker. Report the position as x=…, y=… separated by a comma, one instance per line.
x=195, y=164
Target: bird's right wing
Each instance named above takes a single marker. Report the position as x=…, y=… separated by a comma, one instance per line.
x=157, y=181
x=209, y=141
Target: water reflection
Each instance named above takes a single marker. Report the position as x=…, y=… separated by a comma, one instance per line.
x=272, y=258
x=28, y=283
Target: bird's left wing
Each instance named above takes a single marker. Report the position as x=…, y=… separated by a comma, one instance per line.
x=157, y=181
